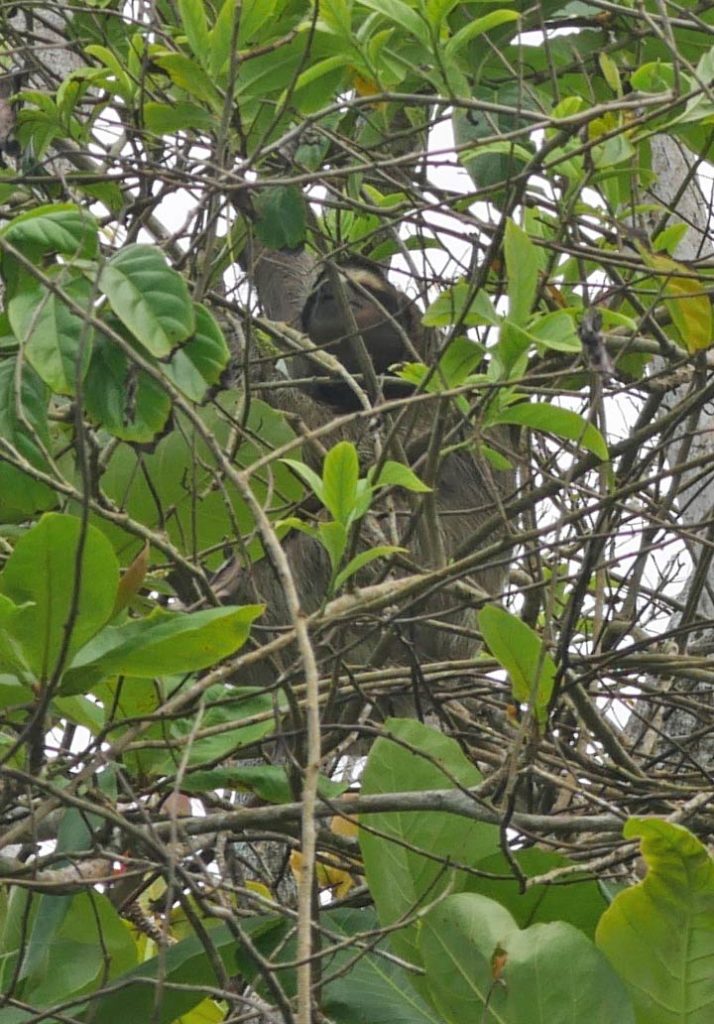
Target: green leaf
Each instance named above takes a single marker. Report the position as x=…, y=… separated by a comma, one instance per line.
x=364, y=558
x=368, y=989
x=23, y=412
x=12, y=658
x=610, y=72
x=653, y=77
x=309, y=476
x=475, y=957
x=126, y=401
x=200, y=361
x=55, y=339
x=222, y=36
x=659, y=934
x=150, y=298
x=556, y=331
x=167, y=118
x=333, y=537
x=459, y=359
x=44, y=569
x=193, y=18
x=459, y=304
x=396, y=474
x=340, y=473
x=579, y=902
x=553, y=420
x=269, y=782
x=227, y=708
x=477, y=27
x=169, y=985
x=189, y=76
x=282, y=219
x=59, y=228
x=520, y=650
x=522, y=265
x=162, y=644
x=412, y=870
x=403, y=16
x=122, y=83
x=85, y=945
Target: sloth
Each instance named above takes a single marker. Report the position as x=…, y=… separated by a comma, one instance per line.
x=466, y=493
x=386, y=318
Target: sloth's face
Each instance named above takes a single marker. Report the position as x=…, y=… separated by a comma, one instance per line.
x=375, y=304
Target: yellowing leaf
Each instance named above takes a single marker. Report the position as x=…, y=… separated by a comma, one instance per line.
x=686, y=300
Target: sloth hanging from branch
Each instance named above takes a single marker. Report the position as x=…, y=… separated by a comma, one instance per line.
x=352, y=313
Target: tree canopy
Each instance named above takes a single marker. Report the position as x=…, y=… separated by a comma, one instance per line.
x=211, y=815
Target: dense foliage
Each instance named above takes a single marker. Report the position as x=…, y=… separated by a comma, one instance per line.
x=182, y=840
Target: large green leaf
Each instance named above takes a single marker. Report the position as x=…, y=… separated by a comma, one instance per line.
x=481, y=967
x=124, y=400
x=57, y=561
x=173, y=488
x=59, y=228
x=578, y=902
x=161, y=644
x=167, y=986
x=407, y=857
x=200, y=361
x=150, y=298
x=522, y=264
x=659, y=935
x=57, y=341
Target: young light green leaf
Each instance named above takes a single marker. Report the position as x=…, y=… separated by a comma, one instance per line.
x=340, y=474
x=520, y=650
x=187, y=74
x=362, y=559
x=553, y=420
x=459, y=304
x=308, y=476
x=396, y=474
x=333, y=537
x=221, y=38
x=193, y=17
x=522, y=265
x=475, y=28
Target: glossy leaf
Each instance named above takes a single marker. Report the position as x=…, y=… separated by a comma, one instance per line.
x=75, y=561
x=200, y=361
x=481, y=967
x=419, y=865
x=163, y=643
x=659, y=934
x=150, y=298
x=58, y=228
